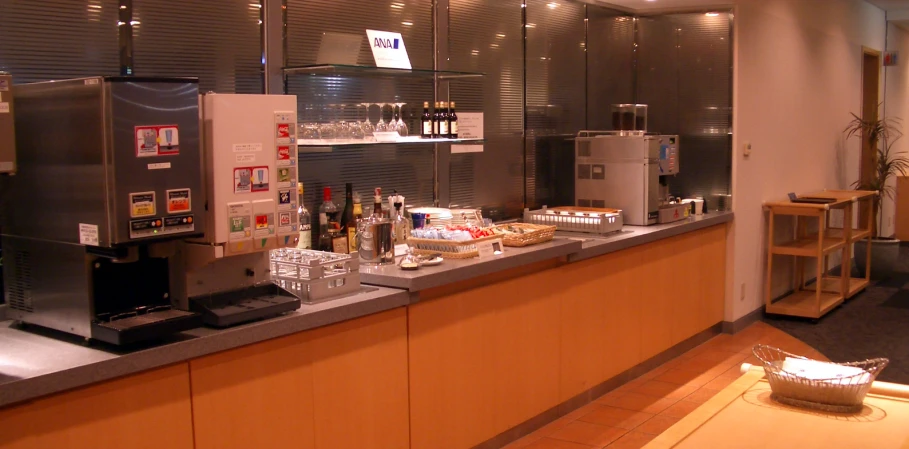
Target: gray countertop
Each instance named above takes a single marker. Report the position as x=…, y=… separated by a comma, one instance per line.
x=455, y=270
x=37, y=362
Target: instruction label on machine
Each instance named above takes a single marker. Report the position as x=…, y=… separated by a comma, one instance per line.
x=157, y=140
x=239, y=215
x=179, y=201
x=88, y=234
x=142, y=204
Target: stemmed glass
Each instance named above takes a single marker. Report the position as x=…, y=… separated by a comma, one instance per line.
x=400, y=126
x=381, y=126
x=367, y=126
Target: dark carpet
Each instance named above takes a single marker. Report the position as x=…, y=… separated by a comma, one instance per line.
x=875, y=323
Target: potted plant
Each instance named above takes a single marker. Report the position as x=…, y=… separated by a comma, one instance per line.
x=879, y=134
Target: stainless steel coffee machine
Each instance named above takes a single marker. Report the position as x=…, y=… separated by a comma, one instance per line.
x=109, y=176
x=623, y=170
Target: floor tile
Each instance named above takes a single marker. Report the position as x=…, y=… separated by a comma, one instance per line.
x=680, y=409
x=721, y=382
x=616, y=417
x=665, y=389
x=556, y=425
x=701, y=396
x=632, y=440
x=524, y=442
x=681, y=377
x=657, y=425
x=639, y=402
x=588, y=433
x=551, y=443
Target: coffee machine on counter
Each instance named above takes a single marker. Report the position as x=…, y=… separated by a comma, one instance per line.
x=107, y=170
x=628, y=169
x=122, y=225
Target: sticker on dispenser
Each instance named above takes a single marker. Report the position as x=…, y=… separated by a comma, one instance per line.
x=284, y=219
x=242, y=180
x=159, y=140
x=239, y=228
x=283, y=155
x=285, y=199
x=247, y=147
x=283, y=131
x=285, y=178
x=246, y=158
x=88, y=234
x=260, y=179
x=179, y=201
x=265, y=225
x=142, y=204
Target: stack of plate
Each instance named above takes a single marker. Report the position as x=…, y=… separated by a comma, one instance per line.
x=460, y=217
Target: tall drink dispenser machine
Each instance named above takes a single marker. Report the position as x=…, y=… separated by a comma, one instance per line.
x=109, y=177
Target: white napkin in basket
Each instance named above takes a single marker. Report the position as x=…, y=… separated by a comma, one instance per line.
x=828, y=372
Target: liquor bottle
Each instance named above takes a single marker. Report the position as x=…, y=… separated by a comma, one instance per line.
x=328, y=222
x=400, y=224
x=304, y=220
x=348, y=221
x=444, y=131
x=358, y=215
x=453, y=122
x=377, y=203
x=435, y=120
x=426, y=122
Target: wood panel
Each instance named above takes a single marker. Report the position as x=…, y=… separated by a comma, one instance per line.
x=712, y=276
x=255, y=396
x=483, y=360
x=656, y=297
x=150, y=410
x=360, y=383
x=902, y=208
x=600, y=320
x=343, y=385
x=684, y=287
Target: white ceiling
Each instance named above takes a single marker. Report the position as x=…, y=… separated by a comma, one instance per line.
x=890, y=5
x=658, y=5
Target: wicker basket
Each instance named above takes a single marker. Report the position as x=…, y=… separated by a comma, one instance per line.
x=840, y=395
x=533, y=234
x=448, y=249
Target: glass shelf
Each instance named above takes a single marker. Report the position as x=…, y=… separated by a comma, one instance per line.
x=324, y=146
x=361, y=70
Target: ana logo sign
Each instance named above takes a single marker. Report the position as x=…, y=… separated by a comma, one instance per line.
x=386, y=43
x=388, y=50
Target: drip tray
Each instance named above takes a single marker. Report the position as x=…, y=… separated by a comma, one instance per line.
x=148, y=326
x=242, y=306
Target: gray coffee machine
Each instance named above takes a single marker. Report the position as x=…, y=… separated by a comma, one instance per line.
x=109, y=176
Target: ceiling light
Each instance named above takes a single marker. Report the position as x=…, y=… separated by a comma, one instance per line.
x=530, y=25
x=255, y=5
x=407, y=24
x=500, y=36
x=712, y=14
x=553, y=5
x=397, y=5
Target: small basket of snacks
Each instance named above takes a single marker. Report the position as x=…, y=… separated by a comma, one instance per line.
x=524, y=234
x=831, y=387
x=452, y=242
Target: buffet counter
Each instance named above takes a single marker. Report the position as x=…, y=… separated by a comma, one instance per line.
x=472, y=353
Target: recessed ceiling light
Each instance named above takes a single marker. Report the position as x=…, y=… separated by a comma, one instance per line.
x=407, y=24
x=712, y=14
x=553, y=5
x=500, y=36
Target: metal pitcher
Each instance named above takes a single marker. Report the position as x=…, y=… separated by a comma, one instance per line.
x=376, y=241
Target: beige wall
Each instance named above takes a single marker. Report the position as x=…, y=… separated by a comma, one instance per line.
x=797, y=78
x=896, y=102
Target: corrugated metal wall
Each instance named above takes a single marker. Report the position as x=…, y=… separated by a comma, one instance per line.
x=408, y=169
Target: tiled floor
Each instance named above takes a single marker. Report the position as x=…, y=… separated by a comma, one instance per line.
x=635, y=413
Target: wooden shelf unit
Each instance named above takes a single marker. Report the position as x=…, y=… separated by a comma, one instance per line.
x=803, y=244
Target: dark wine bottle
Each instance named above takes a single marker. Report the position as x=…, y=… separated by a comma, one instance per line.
x=426, y=122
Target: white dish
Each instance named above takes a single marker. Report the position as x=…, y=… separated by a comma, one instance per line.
x=432, y=262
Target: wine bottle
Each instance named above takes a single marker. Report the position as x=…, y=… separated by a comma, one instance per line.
x=377, y=203
x=328, y=216
x=435, y=120
x=304, y=220
x=348, y=221
x=426, y=122
x=453, y=122
x=444, y=130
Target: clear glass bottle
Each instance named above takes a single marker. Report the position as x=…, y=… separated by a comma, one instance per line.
x=304, y=221
x=401, y=224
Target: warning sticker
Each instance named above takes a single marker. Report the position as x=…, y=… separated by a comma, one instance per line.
x=242, y=180
x=260, y=179
x=179, y=201
x=160, y=140
x=142, y=204
x=285, y=199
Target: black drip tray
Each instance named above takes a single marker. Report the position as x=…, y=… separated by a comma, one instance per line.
x=148, y=326
x=232, y=308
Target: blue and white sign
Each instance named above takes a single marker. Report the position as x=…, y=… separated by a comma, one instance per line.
x=388, y=50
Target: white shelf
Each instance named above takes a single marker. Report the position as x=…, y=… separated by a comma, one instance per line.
x=318, y=146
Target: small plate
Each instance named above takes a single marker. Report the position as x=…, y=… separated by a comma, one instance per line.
x=432, y=262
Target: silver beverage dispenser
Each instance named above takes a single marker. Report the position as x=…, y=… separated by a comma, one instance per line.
x=109, y=176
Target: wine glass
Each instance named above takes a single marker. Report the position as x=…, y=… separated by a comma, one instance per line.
x=400, y=126
x=381, y=126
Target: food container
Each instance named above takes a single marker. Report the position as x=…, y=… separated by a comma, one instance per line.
x=448, y=249
x=524, y=234
x=577, y=219
x=376, y=241
x=314, y=276
x=623, y=117
x=802, y=382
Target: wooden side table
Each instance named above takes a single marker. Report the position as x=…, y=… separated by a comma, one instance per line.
x=804, y=244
